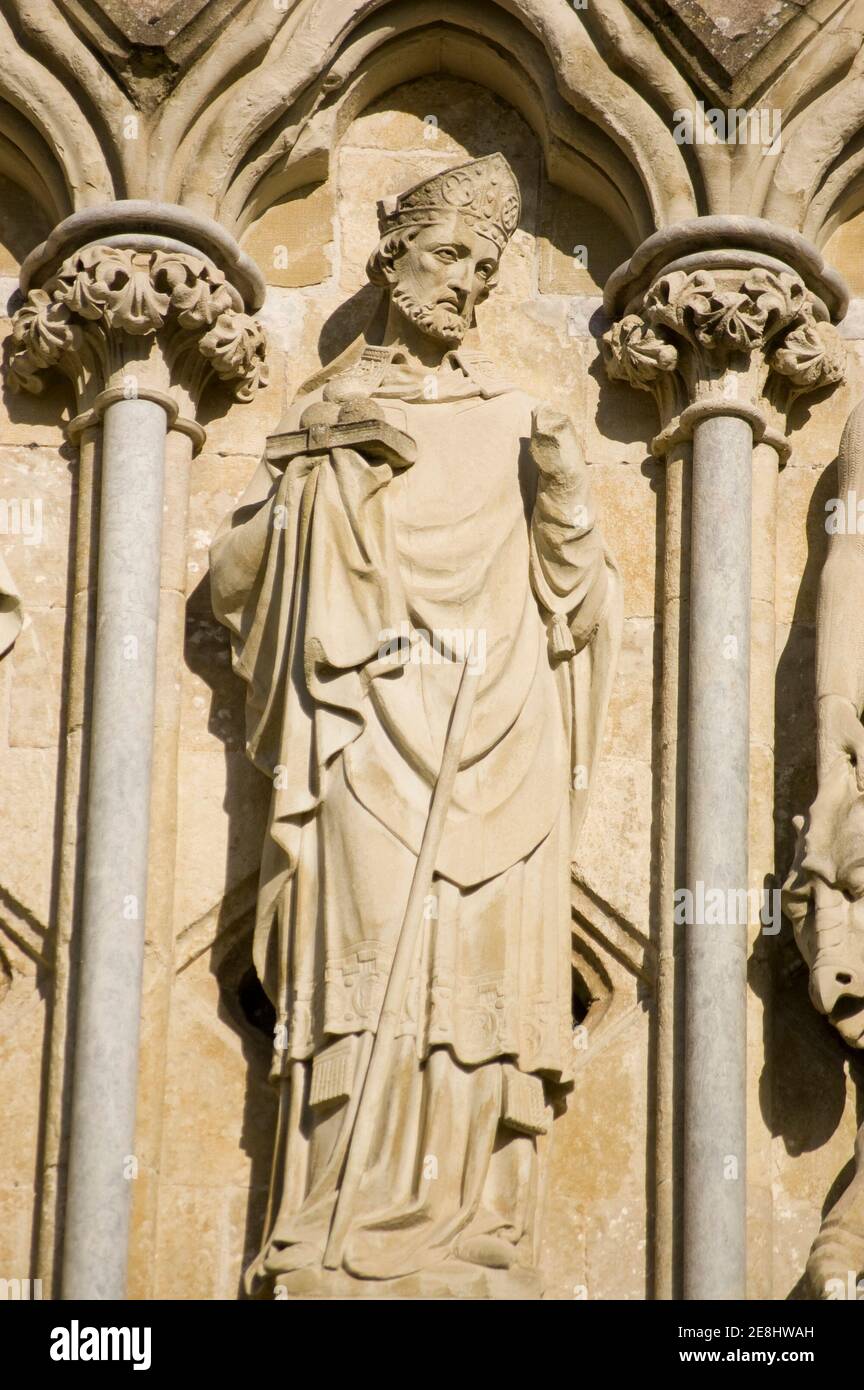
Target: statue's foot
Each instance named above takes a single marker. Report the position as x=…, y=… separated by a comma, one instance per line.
x=490, y=1251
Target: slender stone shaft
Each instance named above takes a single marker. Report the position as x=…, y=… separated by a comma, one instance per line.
x=101, y=1159
x=668, y=1012
x=717, y=848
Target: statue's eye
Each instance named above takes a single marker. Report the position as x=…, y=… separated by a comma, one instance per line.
x=853, y=888
x=446, y=253
x=797, y=902
x=796, y=910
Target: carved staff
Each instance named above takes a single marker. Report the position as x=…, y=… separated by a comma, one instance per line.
x=373, y=1081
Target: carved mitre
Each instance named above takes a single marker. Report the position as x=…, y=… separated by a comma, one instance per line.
x=484, y=192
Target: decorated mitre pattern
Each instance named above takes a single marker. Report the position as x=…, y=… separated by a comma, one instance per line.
x=485, y=192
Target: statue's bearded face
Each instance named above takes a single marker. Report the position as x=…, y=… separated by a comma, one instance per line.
x=443, y=272
x=824, y=899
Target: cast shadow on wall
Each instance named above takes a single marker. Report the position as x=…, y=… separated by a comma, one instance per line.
x=243, y=1005
x=628, y=417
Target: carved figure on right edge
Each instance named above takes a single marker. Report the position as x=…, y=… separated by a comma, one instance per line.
x=10, y=610
x=824, y=892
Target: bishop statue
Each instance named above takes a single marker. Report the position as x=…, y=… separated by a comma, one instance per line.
x=426, y=617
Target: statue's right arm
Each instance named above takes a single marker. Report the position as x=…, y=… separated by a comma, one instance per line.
x=840, y=615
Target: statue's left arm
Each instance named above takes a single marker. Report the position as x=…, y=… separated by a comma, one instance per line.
x=578, y=589
x=569, y=569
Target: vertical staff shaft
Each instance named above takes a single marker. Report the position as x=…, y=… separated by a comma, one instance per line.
x=373, y=1084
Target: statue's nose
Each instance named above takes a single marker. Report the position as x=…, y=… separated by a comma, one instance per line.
x=827, y=985
x=459, y=277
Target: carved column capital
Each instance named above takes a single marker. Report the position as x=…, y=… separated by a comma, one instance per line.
x=726, y=329
x=137, y=315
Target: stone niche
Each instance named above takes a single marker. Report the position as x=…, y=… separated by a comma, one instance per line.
x=542, y=323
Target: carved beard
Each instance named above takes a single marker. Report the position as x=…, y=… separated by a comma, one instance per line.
x=439, y=321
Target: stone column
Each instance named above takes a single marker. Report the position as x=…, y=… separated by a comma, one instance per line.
x=718, y=733
x=726, y=320
x=105, y=1070
x=139, y=320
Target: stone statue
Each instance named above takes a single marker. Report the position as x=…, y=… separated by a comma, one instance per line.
x=823, y=895
x=418, y=517
x=11, y=619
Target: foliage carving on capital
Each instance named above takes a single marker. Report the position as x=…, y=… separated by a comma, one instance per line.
x=634, y=353
x=137, y=292
x=697, y=327
x=725, y=317
x=812, y=355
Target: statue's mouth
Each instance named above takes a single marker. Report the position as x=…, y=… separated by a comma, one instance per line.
x=847, y=1017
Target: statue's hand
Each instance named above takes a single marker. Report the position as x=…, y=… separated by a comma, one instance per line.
x=840, y=735
x=555, y=448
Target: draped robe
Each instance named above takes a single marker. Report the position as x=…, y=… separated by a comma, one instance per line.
x=352, y=592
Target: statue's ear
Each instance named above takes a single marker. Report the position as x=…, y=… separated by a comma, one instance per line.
x=796, y=892
x=489, y=286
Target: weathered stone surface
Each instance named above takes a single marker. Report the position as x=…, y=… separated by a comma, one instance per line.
x=597, y=1178
x=230, y=1079
x=37, y=666
x=27, y=809
x=619, y=422
x=22, y=1016
x=630, y=708
x=294, y=142
x=24, y=225
x=292, y=242
x=845, y=250
x=628, y=505
x=35, y=495
x=215, y=850
x=620, y=813
x=579, y=246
